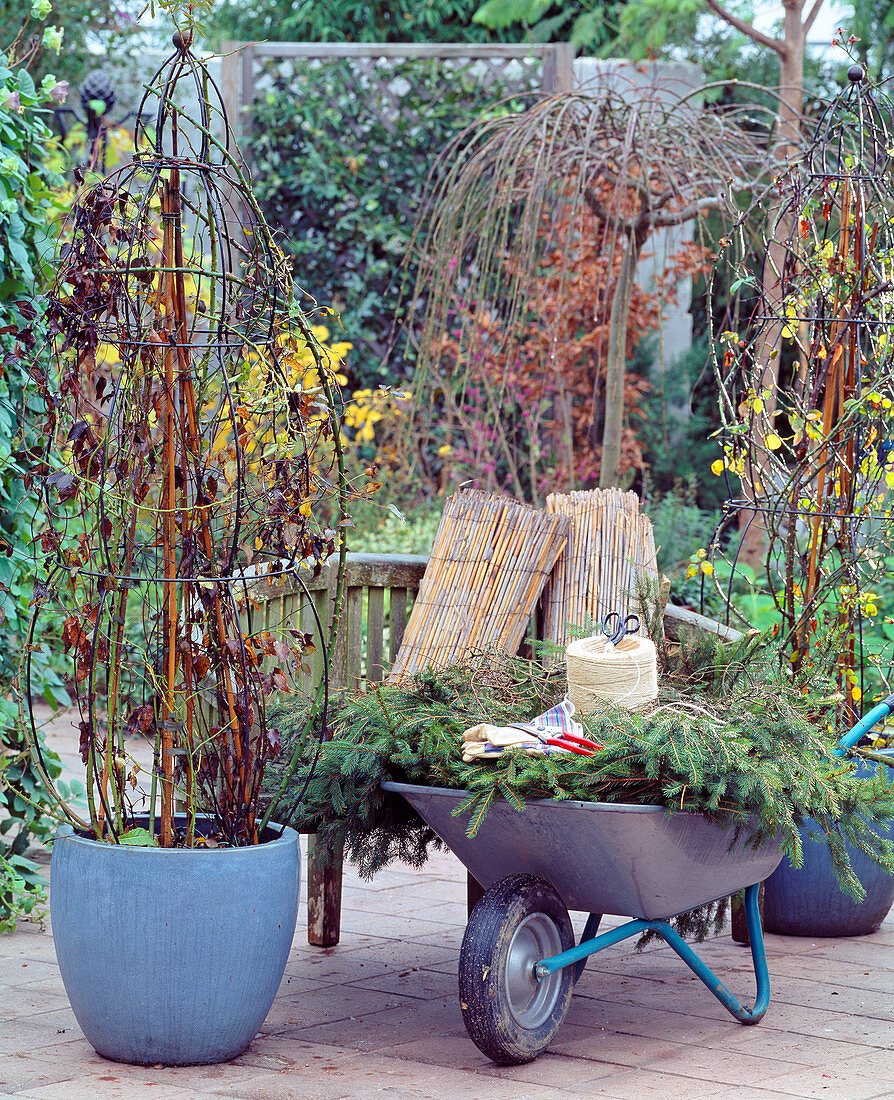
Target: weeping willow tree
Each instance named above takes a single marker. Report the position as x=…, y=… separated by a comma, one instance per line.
x=579, y=185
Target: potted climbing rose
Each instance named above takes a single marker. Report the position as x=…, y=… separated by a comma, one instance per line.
x=191, y=436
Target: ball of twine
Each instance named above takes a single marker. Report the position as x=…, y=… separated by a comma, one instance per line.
x=625, y=675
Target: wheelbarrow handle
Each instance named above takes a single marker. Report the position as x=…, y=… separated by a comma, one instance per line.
x=878, y=712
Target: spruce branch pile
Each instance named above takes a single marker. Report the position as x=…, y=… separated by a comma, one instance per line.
x=729, y=737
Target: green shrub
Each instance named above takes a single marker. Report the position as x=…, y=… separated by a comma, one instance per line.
x=380, y=531
x=341, y=154
x=677, y=431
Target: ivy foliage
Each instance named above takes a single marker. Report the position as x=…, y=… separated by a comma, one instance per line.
x=28, y=201
x=729, y=738
x=340, y=155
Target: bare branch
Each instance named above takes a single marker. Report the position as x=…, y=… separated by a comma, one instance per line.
x=598, y=208
x=746, y=28
x=677, y=217
x=812, y=14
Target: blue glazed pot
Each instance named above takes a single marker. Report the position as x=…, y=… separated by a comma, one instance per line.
x=808, y=902
x=172, y=955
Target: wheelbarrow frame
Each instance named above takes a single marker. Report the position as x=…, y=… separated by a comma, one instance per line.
x=650, y=909
x=590, y=943
x=643, y=839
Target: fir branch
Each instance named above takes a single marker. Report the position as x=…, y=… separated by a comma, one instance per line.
x=729, y=738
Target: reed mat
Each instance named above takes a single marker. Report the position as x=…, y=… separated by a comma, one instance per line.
x=610, y=549
x=487, y=569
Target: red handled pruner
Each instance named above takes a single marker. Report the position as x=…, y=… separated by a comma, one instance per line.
x=568, y=741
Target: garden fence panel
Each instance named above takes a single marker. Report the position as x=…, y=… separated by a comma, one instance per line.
x=546, y=67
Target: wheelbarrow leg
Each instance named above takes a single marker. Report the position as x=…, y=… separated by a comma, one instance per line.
x=758, y=957
x=590, y=930
x=590, y=945
x=739, y=918
x=474, y=892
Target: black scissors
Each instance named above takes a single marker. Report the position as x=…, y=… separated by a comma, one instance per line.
x=617, y=628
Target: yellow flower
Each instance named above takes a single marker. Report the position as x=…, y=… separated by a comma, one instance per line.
x=108, y=355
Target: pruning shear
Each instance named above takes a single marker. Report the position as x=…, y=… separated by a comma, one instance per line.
x=617, y=628
x=568, y=741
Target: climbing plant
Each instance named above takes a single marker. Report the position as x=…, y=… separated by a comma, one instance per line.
x=806, y=377
x=29, y=205
x=189, y=446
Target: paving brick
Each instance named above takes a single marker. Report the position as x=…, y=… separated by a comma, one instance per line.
x=23, y=1071
x=412, y=982
x=821, y=1082
x=877, y=1063
x=106, y=1086
x=637, y=1084
x=379, y=1015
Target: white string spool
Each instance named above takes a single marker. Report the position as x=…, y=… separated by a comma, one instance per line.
x=623, y=675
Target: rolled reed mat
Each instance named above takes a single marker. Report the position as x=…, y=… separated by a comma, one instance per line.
x=625, y=675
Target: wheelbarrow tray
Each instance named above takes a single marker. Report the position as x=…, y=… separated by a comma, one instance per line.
x=601, y=857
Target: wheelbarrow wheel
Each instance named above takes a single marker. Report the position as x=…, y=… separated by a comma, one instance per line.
x=510, y=1015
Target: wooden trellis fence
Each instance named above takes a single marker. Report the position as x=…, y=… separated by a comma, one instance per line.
x=544, y=67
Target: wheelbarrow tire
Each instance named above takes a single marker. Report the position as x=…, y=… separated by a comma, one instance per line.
x=509, y=1015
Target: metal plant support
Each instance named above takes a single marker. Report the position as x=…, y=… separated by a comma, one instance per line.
x=196, y=440
x=97, y=99
x=807, y=387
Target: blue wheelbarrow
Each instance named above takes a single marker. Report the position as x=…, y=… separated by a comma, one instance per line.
x=519, y=962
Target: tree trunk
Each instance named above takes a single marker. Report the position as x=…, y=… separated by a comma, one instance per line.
x=616, y=365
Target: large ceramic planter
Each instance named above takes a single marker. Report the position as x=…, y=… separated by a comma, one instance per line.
x=173, y=956
x=807, y=901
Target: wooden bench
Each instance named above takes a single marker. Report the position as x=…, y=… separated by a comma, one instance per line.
x=379, y=590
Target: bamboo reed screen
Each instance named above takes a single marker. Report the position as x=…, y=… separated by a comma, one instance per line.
x=609, y=542
x=487, y=569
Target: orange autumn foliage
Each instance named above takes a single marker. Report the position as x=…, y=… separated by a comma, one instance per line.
x=529, y=418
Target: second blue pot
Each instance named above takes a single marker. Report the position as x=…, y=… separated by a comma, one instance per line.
x=806, y=901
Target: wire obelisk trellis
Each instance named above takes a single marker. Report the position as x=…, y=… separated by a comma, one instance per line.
x=807, y=385
x=194, y=433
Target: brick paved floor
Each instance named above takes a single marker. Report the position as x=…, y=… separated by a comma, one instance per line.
x=379, y=1016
